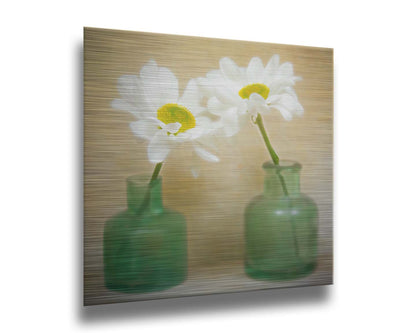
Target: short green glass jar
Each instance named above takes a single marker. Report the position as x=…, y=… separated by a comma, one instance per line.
x=145, y=246
x=281, y=227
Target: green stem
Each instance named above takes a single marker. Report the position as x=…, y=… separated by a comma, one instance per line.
x=282, y=181
x=275, y=158
x=156, y=172
x=146, y=199
x=259, y=122
x=272, y=152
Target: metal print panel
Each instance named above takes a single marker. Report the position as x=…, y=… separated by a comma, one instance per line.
x=207, y=166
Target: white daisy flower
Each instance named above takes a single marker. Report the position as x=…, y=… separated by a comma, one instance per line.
x=235, y=93
x=164, y=118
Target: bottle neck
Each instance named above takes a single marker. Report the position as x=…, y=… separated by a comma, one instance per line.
x=142, y=196
x=282, y=179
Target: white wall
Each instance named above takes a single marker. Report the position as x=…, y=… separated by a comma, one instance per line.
x=41, y=85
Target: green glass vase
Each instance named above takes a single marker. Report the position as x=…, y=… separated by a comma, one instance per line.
x=145, y=246
x=281, y=227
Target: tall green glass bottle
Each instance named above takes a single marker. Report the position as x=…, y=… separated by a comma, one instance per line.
x=145, y=246
x=281, y=227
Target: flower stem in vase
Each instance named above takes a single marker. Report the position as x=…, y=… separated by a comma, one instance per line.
x=275, y=159
x=156, y=172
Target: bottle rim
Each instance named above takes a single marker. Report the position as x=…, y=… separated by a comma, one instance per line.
x=141, y=180
x=283, y=165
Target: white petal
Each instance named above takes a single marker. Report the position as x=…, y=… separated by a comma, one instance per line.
x=285, y=70
x=159, y=147
x=157, y=122
x=195, y=165
x=204, y=122
x=207, y=156
x=207, y=84
x=227, y=96
x=145, y=129
x=290, y=91
x=270, y=71
x=273, y=64
x=190, y=134
x=172, y=127
x=150, y=64
x=242, y=107
x=193, y=133
x=132, y=92
x=257, y=104
x=128, y=86
x=230, y=69
x=191, y=97
x=169, y=91
x=278, y=85
x=256, y=98
x=288, y=104
x=216, y=107
x=273, y=99
x=229, y=117
x=122, y=104
x=149, y=76
x=216, y=84
x=195, y=169
x=213, y=140
x=230, y=121
x=298, y=108
x=181, y=137
x=159, y=84
x=288, y=101
x=255, y=71
x=215, y=74
x=287, y=115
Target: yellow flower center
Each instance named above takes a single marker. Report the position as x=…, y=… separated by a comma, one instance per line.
x=258, y=88
x=174, y=113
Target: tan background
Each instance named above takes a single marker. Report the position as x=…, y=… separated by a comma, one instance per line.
x=213, y=203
